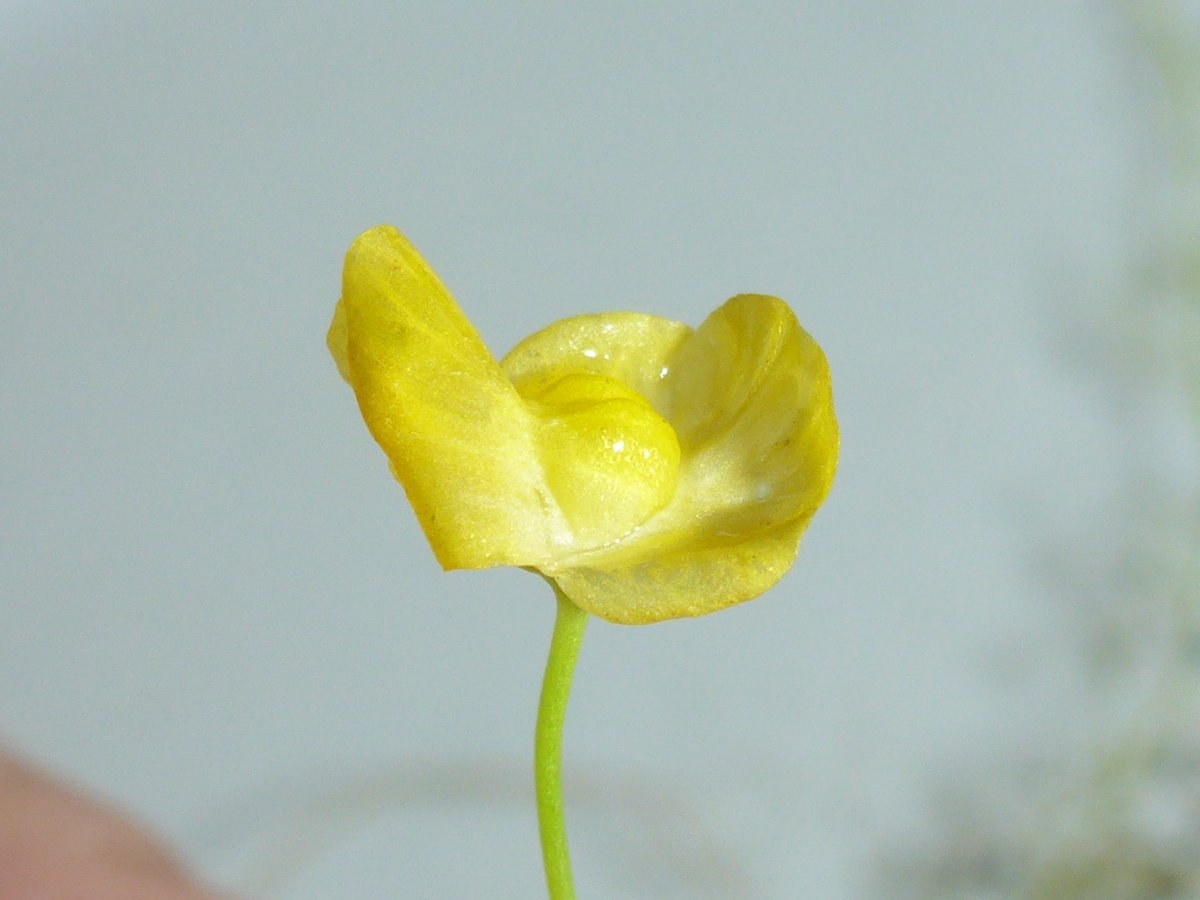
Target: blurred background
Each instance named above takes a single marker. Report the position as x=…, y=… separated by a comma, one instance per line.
x=216, y=606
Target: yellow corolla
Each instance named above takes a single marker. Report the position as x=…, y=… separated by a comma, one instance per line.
x=650, y=470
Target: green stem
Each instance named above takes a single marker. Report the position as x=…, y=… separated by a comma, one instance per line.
x=547, y=754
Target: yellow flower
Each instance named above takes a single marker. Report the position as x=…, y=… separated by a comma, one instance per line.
x=650, y=470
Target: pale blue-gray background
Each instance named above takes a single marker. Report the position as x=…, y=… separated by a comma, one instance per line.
x=212, y=595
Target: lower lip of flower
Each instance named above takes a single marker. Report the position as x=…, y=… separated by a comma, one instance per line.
x=611, y=461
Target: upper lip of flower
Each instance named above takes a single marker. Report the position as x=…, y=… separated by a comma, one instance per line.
x=651, y=470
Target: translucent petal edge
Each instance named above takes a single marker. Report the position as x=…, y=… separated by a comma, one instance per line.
x=634, y=348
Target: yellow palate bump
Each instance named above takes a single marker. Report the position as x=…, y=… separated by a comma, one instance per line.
x=610, y=460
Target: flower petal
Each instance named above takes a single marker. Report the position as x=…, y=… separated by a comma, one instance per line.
x=693, y=578
x=459, y=437
x=633, y=348
x=750, y=398
x=611, y=459
x=752, y=403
